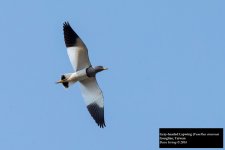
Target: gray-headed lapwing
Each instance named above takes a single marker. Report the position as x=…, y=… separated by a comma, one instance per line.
x=84, y=73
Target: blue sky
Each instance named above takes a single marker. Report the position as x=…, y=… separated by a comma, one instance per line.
x=166, y=63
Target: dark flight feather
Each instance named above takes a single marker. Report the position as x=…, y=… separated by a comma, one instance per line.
x=97, y=113
x=70, y=35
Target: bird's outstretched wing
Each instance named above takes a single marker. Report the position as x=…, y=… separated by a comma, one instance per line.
x=93, y=98
x=76, y=49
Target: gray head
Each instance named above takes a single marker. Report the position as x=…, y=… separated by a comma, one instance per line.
x=99, y=69
x=91, y=72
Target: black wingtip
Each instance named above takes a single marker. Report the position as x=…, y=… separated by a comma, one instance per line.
x=70, y=35
x=97, y=113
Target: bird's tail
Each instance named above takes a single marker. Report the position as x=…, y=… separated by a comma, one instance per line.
x=64, y=81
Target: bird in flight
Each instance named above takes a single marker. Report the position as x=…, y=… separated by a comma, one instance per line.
x=84, y=73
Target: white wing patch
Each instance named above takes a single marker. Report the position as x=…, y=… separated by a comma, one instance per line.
x=91, y=92
x=93, y=98
x=78, y=57
x=71, y=51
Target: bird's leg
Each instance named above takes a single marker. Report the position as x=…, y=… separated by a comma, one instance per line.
x=61, y=81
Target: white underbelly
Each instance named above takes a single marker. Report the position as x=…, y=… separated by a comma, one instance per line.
x=78, y=76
